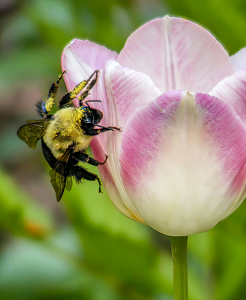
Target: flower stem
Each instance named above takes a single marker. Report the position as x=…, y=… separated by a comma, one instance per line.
x=180, y=276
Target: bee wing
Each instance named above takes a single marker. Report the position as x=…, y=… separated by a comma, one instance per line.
x=59, y=177
x=58, y=182
x=33, y=131
x=69, y=184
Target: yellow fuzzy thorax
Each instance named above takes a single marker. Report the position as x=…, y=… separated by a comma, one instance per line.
x=65, y=130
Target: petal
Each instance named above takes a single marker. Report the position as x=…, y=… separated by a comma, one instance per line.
x=238, y=60
x=177, y=54
x=109, y=182
x=128, y=90
x=121, y=91
x=232, y=89
x=183, y=162
x=110, y=174
x=125, y=90
x=81, y=59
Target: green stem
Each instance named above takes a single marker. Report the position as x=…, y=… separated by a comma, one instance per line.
x=180, y=276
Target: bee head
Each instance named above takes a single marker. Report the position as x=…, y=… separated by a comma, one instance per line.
x=91, y=117
x=96, y=115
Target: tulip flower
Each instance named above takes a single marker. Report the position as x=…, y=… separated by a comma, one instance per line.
x=179, y=163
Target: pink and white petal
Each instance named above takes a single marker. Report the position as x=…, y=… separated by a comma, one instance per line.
x=182, y=162
x=228, y=133
x=176, y=54
x=232, y=89
x=110, y=174
x=121, y=91
x=238, y=60
x=79, y=61
x=110, y=113
x=109, y=183
x=109, y=143
x=81, y=58
x=128, y=89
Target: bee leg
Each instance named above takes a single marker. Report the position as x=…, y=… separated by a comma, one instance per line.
x=80, y=173
x=52, y=93
x=66, y=100
x=91, y=82
x=52, y=161
x=83, y=157
x=102, y=129
x=45, y=106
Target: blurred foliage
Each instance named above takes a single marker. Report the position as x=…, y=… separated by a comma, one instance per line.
x=83, y=248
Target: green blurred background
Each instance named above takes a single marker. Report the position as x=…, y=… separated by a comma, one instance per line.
x=82, y=247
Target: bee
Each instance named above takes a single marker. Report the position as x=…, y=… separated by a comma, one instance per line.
x=66, y=134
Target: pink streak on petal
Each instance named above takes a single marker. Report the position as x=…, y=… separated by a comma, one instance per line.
x=177, y=54
x=238, y=60
x=232, y=90
x=228, y=135
x=142, y=135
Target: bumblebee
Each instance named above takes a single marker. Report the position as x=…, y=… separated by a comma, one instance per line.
x=66, y=135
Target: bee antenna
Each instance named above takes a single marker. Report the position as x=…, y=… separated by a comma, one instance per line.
x=86, y=102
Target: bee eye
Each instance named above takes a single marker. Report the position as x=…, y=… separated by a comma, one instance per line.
x=98, y=115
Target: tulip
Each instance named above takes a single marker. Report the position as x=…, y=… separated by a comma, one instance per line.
x=178, y=164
